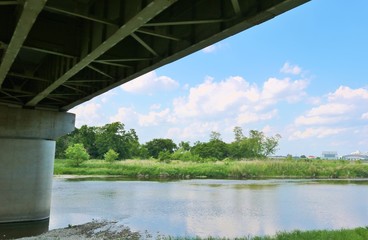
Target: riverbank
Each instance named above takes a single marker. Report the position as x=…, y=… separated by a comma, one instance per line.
x=251, y=169
x=111, y=230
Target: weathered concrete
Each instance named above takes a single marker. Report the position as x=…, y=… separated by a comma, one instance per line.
x=27, y=150
x=27, y=123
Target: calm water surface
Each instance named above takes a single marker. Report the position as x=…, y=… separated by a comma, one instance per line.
x=212, y=207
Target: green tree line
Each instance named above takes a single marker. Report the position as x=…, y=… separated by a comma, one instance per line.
x=113, y=139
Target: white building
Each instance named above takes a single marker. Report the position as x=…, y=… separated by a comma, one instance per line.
x=329, y=155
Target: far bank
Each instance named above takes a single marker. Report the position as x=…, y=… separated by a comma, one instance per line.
x=226, y=169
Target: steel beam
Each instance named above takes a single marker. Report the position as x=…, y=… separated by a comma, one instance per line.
x=144, y=44
x=75, y=14
x=31, y=9
x=145, y=15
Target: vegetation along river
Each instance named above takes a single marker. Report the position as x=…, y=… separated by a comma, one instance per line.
x=228, y=208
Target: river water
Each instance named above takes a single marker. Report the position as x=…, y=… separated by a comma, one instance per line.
x=228, y=208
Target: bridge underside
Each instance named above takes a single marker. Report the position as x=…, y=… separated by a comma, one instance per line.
x=57, y=54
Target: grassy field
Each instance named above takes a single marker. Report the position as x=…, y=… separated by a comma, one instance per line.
x=153, y=169
x=343, y=234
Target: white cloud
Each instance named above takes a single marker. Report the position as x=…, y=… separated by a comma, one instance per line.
x=346, y=93
x=150, y=83
x=325, y=114
x=275, y=90
x=331, y=109
x=212, y=97
x=154, y=118
x=249, y=117
x=316, y=120
x=235, y=94
x=87, y=114
x=125, y=115
x=290, y=69
x=365, y=116
x=210, y=49
x=340, y=107
x=319, y=132
x=155, y=106
x=193, y=131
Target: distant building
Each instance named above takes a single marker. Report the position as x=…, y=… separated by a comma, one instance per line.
x=329, y=155
x=355, y=157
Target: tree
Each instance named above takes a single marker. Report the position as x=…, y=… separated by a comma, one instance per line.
x=215, y=148
x=215, y=136
x=270, y=144
x=114, y=136
x=87, y=136
x=62, y=144
x=76, y=154
x=238, y=132
x=256, y=145
x=111, y=156
x=184, y=146
x=158, y=145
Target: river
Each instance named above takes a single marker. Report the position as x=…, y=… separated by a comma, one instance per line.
x=228, y=208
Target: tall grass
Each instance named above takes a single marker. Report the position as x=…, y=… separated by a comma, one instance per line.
x=343, y=234
x=221, y=169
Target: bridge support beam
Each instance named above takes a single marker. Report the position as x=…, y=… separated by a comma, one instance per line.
x=27, y=149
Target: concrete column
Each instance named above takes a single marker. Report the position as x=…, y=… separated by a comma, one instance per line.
x=27, y=149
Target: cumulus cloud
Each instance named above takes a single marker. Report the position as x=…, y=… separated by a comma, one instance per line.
x=316, y=120
x=238, y=96
x=319, y=132
x=212, y=97
x=331, y=109
x=87, y=114
x=125, y=115
x=150, y=83
x=339, y=107
x=152, y=118
x=194, y=130
x=346, y=93
x=365, y=116
x=290, y=69
x=249, y=117
x=210, y=49
x=275, y=90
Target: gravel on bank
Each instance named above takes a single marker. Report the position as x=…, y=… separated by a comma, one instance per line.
x=92, y=231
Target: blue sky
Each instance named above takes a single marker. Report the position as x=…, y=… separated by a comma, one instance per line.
x=303, y=75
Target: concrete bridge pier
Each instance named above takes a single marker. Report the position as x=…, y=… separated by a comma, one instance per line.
x=27, y=149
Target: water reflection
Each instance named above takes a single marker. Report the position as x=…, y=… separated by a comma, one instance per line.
x=212, y=207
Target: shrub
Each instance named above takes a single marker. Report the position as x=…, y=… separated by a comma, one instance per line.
x=111, y=156
x=76, y=154
x=164, y=156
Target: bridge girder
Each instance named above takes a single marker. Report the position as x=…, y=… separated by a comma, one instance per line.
x=57, y=54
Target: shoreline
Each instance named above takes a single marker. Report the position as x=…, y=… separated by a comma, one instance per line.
x=112, y=230
x=250, y=169
x=125, y=178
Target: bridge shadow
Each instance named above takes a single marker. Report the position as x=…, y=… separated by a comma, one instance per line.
x=23, y=229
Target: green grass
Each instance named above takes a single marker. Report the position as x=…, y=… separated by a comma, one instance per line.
x=343, y=234
x=152, y=169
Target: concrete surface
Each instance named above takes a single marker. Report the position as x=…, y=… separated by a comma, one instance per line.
x=27, y=161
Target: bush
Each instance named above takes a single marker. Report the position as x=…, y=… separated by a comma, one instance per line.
x=76, y=154
x=111, y=156
x=164, y=156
